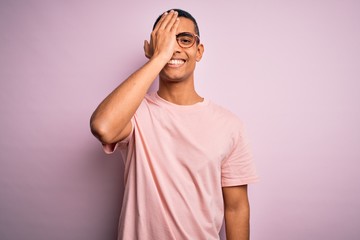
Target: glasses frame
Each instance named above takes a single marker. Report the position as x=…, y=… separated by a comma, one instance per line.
x=197, y=39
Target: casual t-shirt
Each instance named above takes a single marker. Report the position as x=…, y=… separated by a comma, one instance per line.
x=177, y=159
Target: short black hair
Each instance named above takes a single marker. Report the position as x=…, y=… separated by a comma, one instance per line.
x=182, y=13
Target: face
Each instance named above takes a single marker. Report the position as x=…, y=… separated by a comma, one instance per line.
x=182, y=64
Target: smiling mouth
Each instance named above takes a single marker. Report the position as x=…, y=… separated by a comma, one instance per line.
x=176, y=62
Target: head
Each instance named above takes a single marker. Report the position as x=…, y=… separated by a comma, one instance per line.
x=184, y=14
x=189, y=55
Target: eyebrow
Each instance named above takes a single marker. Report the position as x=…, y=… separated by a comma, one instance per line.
x=186, y=34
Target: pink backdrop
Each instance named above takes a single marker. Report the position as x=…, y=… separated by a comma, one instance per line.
x=289, y=69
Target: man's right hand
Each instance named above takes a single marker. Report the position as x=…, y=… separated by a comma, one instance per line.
x=111, y=121
x=163, y=37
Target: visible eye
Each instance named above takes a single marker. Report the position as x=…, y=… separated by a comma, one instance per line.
x=185, y=40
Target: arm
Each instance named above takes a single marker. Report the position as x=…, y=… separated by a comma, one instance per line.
x=237, y=213
x=110, y=122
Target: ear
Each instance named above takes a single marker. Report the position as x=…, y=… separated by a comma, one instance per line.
x=199, y=52
x=147, y=49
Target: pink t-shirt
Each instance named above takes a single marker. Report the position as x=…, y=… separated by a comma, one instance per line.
x=177, y=159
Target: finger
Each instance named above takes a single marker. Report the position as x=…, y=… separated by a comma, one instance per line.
x=175, y=25
x=160, y=21
x=172, y=21
x=167, y=19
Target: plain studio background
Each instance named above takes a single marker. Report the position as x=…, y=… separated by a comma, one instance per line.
x=289, y=69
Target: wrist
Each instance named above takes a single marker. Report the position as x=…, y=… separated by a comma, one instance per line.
x=157, y=63
x=162, y=59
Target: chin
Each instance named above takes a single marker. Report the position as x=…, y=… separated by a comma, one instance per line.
x=171, y=77
x=172, y=80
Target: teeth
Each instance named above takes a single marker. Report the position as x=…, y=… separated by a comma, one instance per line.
x=175, y=61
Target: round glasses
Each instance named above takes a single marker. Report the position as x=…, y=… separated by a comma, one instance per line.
x=186, y=39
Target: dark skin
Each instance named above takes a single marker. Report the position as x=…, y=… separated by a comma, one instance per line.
x=237, y=212
x=110, y=122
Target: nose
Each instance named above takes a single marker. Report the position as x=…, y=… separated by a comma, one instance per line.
x=177, y=48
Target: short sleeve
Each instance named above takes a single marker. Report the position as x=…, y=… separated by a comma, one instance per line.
x=238, y=167
x=110, y=148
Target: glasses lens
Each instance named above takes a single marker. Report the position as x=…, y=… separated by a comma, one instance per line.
x=185, y=39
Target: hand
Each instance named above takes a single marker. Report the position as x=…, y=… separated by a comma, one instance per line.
x=163, y=37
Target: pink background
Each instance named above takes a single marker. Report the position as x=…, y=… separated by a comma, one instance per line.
x=289, y=69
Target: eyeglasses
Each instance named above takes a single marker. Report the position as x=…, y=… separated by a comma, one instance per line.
x=187, y=40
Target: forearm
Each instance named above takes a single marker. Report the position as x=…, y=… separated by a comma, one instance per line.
x=116, y=110
x=237, y=223
x=111, y=120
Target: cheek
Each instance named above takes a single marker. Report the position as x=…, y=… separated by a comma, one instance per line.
x=192, y=56
x=191, y=63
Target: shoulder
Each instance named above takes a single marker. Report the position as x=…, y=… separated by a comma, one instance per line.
x=225, y=115
x=150, y=97
x=147, y=103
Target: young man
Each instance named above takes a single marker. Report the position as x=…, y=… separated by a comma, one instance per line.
x=187, y=162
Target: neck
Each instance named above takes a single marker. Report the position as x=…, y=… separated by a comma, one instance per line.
x=180, y=93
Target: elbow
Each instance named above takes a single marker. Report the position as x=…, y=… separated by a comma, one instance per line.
x=101, y=131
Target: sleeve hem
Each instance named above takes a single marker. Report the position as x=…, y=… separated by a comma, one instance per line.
x=110, y=148
x=238, y=182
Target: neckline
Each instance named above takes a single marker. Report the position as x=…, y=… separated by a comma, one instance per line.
x=162, y=101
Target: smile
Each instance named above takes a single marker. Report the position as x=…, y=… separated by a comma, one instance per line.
x=176, y=62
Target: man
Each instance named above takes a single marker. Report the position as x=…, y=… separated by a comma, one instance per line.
x=187, y=163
